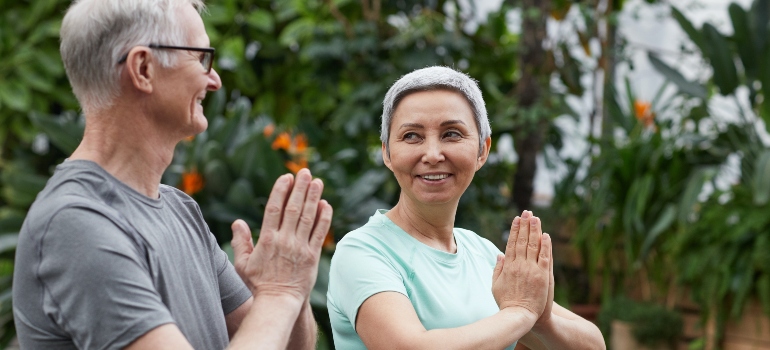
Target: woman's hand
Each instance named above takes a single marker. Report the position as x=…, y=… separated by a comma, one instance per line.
x=523, y=277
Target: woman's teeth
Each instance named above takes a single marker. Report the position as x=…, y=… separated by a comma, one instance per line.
x=435, y=177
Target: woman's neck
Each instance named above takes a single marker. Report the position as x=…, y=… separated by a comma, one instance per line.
x=431, y=225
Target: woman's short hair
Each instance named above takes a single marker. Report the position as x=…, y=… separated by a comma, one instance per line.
x=96, y=33
x=435, y=78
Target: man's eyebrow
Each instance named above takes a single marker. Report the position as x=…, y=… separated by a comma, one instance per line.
x=452, y=122
x=412, y=125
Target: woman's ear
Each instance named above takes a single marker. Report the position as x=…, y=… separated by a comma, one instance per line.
x=484, y=154
x=386, y=157
x=141, y=68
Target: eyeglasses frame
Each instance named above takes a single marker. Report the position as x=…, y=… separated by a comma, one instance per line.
x=209, y=50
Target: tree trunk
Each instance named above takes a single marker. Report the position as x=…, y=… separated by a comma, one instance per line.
x=529, y=135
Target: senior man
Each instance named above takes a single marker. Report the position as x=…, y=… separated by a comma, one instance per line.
x=109, y=258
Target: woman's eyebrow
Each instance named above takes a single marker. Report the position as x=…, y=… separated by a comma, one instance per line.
x=412, y=125
x=451, y=122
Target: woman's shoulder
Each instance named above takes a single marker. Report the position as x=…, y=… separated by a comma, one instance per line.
x=474, y=242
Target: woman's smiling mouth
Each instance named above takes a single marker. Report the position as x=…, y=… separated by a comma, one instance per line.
x=434, y=177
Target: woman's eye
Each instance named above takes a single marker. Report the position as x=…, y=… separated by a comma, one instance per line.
x=410, y=136
x=452, y=134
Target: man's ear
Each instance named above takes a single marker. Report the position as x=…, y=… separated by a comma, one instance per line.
x=140, y=66
x=484, y=153
x=386, y=157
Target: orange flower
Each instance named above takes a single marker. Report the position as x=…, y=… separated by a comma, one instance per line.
x=300, y=142
x=268, y=130
x=190, y=138
x=329, y=240
x=295, y=167
x=643, y=112
x=283, y=141
x=192, y=182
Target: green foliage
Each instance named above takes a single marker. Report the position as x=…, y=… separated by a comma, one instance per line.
x=31, y=73
x=721, y=253
x=634, y=190
x=747, y=46
x=652, y=325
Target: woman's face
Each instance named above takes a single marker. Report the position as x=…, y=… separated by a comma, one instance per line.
x=434, y=146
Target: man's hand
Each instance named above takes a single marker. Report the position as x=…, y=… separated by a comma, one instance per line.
x=285, y=259
x=521, y=277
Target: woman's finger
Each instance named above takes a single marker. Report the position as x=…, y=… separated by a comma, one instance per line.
x=545, y=257
x=535, y=233
x=523, y=239
x=510, y=248
x=498, y=267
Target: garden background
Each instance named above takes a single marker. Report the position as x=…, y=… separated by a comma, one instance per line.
x=659, y=205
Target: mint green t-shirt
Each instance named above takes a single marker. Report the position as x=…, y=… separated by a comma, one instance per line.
x=446, y=290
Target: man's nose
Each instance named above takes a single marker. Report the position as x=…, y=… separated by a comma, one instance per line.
x=214, y=81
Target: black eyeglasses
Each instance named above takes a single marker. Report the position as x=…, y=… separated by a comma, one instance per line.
x=207, y=58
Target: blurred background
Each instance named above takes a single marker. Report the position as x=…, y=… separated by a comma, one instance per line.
x=635, y=129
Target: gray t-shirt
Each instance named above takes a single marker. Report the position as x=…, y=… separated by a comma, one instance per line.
x=98, y=265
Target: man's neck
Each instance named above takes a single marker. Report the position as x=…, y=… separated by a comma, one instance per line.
x=129, y=148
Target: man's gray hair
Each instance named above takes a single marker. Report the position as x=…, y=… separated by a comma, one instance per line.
x=435, y=78
x=96, y=33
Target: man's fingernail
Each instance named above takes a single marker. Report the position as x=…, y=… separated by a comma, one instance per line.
x=525, y=215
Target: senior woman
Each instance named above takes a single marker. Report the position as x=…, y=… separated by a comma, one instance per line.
x=409, y=279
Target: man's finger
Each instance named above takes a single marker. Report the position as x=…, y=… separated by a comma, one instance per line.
x=321, y=228
x=513, y=235
x=310, y=210
x=275, y=203
x=293, y=208
x=535, y=233
x=523, y=239
x=242, y=245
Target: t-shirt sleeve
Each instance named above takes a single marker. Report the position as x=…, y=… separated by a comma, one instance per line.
x=98, y=286
x=233, y=291
x=358, y=271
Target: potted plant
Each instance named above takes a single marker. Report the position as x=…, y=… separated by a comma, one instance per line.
x=630, y=325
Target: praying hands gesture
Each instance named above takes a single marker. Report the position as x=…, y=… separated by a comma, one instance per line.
x=523, y=277
x=282, y=268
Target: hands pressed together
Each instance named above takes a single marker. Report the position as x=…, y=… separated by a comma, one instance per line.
x=285, y=258
x=523, y=277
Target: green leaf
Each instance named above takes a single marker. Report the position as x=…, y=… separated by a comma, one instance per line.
x=691, y=192
x=761, y=11
x=760, y=181
x=296, y=31
x=217, y=177
x=688, y=28
x=721, y=57
x=664, y=222
x=691, y=88
x=261, y=20
x=64, y=133
x=15, y=95
x=240, y=193
x=744, y=39
x=33, y=79
x=364, y=187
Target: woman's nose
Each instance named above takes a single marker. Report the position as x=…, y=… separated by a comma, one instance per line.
x=433, y=152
